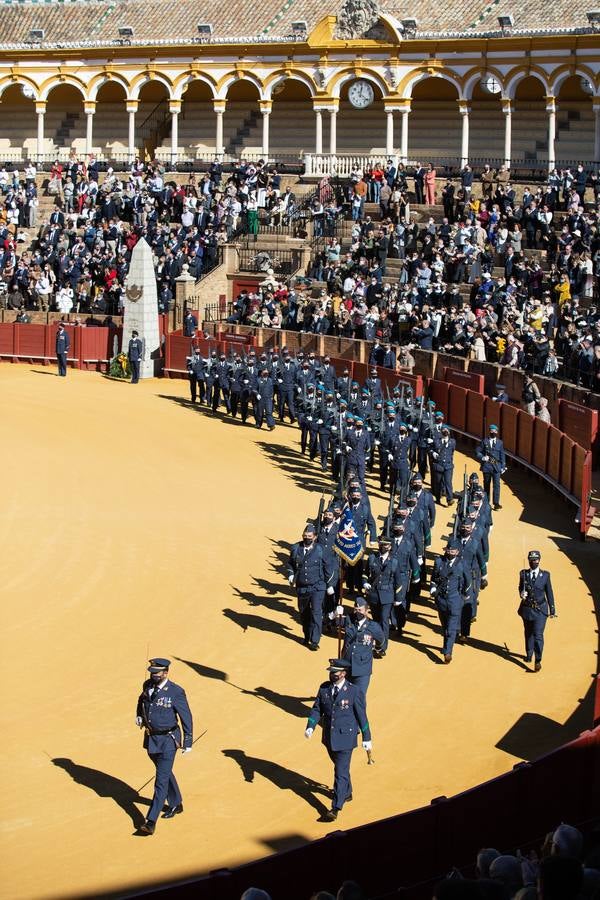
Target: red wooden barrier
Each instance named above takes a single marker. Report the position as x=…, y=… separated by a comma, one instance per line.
x=476, y=404
x=493, y=412
x=360, y=372
x=457, y=407
x=553, y=468
x=539, y=456
x=438, y=392
x=469, y=380
x=579, y=457
x=566, y=462
x=579, y=422
x=525, y=437
x=509, y=427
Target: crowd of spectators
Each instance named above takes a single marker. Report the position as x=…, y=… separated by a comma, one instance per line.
x=565, y=867
x=77, y=259
x=473, y=283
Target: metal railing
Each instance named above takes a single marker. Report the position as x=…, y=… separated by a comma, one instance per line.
x=281, y=262
x=218, y=312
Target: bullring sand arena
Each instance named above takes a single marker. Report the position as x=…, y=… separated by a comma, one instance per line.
x=134, y=525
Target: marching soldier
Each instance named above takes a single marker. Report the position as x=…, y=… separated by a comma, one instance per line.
x=326, y=540
x=383, y=586
x=390, y=432
x=361, y=637
x=286, y=376
x=471, y=554
x=442, y=469
x=425, y=503
x=490, y=453
x=221, y=372
x=235, y=385
x=537, y=603
x=450, y=588
x=163, y=712
x=211, y=366
x=196, y=374
x=403, y=550
x=341, y=708
x=342, y=385
x=306, y=415
x=399, y=458
x=311, y=574
x=358, y=446
x=264, y=400
x=373, y=383
x=363, y=522
x=327, y=426
x=249, y=388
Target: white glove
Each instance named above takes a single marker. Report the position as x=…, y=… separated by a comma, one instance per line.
x=186, y=749
x=330, y=590
x=368, y=429
x=432, y=590
x=309, y=418
x=377, y=443
x=397, y=603
x=366, y=586
x=390, y=457
x=339, y=610
x=308, y=733
x=414, y=428
x=246, y=381
x=139, y=721
x=503, y=471
x=430, y=440
x=367, y=745
x=435, y=455
x=337, y=451
x=258, y=396
x=334, y=427
x=348, y=448
x=291, y=579
x=484, y=458
x=280, y=380
x=523, y=595
x=319, y=421
x=338, y=396
x=420, y=560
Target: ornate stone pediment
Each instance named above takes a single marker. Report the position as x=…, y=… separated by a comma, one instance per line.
x=359, y=19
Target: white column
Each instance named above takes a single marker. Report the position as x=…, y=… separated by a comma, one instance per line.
x=219, y=112
x=333, y=131
x=507, y=110
x=389, y=132
x=404, y=135
x=551, y=110
x=174, y=109
x=318, y=131
x=464, y=144
x=131, y=110
x=40, y=108
x=89, y=130
x=596, y=108
x=265, y=132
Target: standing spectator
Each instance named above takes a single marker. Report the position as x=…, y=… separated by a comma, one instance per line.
x=430, y=175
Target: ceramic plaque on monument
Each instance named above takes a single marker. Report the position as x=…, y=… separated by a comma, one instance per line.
x=141, y=309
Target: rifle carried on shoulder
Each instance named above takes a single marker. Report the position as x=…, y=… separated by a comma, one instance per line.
x=320, y=513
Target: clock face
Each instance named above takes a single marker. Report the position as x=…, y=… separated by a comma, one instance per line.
x=361, y=94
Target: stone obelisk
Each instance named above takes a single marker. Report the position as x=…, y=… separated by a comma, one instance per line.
x=141, y=309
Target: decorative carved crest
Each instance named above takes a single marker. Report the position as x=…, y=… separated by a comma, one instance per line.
x=134, y=293
x=356, y=18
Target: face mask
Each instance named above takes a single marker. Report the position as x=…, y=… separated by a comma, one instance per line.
x=307, y=541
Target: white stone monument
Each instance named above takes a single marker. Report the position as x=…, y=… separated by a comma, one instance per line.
x=141, y=309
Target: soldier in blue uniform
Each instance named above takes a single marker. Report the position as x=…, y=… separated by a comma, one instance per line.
x=399, y=457
x=163, y=712
x=358, y=447
x=537, y=603
x=442, y=466
x=221, y=372
x=311, y=573
x=362, y=637
x=472, y=556
x=196, y=373
x=264, y=401
x=363, y=522
x=383, y=586
x=341, y=708
x=450, y=588
x=492, y=457
x=326, y=541
x=286, y=377
x=135, y=352
x=404, y=550
x=62, y=345
x=326, y=423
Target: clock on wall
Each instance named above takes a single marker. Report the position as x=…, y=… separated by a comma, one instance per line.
x=361, y=93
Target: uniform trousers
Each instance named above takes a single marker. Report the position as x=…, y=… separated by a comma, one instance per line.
x=342, y=785
x=165, y=784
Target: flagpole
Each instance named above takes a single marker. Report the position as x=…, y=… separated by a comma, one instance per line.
x=340, y=603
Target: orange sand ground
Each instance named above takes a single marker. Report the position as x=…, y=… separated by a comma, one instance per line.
x=133, y=525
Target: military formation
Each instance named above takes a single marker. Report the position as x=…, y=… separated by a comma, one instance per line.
x=353, y=430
